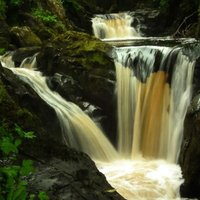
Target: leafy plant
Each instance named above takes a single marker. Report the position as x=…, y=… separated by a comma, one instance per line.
x=13, y=176
x=45, y=16
x=2, y=51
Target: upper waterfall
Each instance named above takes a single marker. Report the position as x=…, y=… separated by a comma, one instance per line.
x=116, y=25
x=153, y=91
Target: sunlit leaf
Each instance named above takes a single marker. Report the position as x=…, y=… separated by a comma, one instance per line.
x=7, y=146
x=26, y=168
x=43, y=196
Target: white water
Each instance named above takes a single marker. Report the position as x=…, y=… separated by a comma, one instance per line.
x=137, y=179
x=114, y=26
x=134, y=177
x=151, y=112
x=79, y=131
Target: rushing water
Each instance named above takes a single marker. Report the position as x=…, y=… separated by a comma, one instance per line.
x=79, y=131
x=114, y=26
x=153, y=91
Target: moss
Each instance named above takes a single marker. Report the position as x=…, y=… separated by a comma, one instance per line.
x=11, y=113
x=25, y=37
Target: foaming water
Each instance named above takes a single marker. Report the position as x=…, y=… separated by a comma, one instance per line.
x=79, y=131
x=153, y=93
x=143, y=179
x=114, y=26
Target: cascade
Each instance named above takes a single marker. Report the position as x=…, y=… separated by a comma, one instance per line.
x=114, y=26
x=153, y=91
x=153, y=86
x=78, y=130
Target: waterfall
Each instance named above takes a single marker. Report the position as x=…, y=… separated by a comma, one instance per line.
x=153, y=92
x=78, y=130
x=153, y=88
x=114, y=26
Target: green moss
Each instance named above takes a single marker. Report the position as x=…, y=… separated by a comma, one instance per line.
x=45, y=16
x=11, y=113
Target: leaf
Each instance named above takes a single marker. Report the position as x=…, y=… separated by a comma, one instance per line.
x=10, y=172
x=43, y=196
x=27, y=167
x=31, y=197
x=7, y=146
x=19, y=131
x=23, y=134
x=17, y=142
x=29, y=135
x=20, y=193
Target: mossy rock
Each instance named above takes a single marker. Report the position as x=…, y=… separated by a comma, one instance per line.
x=85, y=59
x=24, y=37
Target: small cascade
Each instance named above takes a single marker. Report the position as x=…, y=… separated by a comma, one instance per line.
x=79, y=131
x=153, y=92
x=116, y=25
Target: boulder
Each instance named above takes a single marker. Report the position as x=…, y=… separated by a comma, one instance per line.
x=24, y=37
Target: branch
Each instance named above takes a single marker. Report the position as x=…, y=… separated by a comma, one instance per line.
x=184, y=21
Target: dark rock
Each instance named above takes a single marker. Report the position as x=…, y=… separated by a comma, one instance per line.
x=64, y=173
x=61, y=172
x=23, y=97
x=190, y=152
x=20, y=54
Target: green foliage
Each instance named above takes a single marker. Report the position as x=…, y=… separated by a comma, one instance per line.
x=13, y=184
x=2, y=51
x=45, y=16
x=43, y=196
x=13, y=176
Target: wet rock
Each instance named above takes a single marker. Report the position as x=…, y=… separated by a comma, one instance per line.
x=190, y=152
x=85, y=60
x=69, y=175
x=20, y=54
x=24, y=37
x=23, y=106
x=61, y=172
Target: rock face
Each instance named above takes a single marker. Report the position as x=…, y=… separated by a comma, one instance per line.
x=190, y=152
x=67, y=174
x=189, y=158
